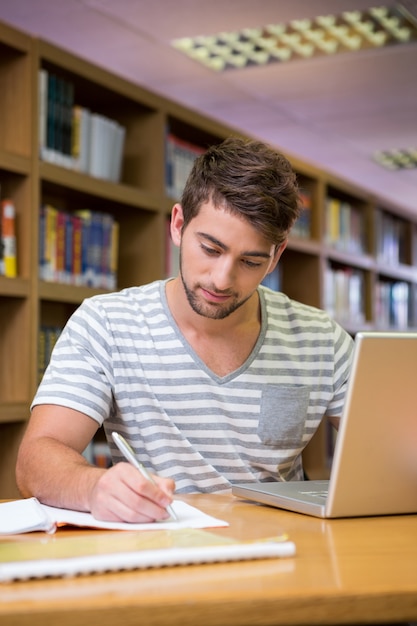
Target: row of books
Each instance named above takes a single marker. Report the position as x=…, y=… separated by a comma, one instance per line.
x=78, y=248
x=72, y=136
x=302, y=227
x=47, y=338
x=395, y=304
x=344, y=226
x=344, y=294
x=8, y=260
x=344, y=298
x=391, y=238
x=179, y=159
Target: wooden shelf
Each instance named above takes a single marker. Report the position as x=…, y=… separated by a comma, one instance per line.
x=58, y=292
x=13, y=412
x=15, y=163
x=98, y=188
x=14, y=287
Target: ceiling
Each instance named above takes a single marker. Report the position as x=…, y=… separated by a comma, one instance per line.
x=332, y=111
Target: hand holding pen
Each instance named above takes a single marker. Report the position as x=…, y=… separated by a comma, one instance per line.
x=130, y=456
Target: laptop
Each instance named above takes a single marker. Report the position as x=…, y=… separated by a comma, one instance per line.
x=374, y=468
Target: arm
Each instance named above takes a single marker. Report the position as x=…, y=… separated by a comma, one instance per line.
x=343, y=361
x=51, y=467
x=334, y=421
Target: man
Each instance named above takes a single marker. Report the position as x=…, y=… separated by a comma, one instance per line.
x=211, y=378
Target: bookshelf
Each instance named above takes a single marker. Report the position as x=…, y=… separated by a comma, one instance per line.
x=160, y=139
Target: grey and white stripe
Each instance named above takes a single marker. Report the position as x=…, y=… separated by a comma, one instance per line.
x=122, y=360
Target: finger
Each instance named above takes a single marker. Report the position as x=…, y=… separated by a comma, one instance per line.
x=123, y=494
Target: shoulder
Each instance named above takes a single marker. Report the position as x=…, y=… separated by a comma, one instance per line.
x=131, y=298
x=304, y=323
x=116, y=311
x=280, y=306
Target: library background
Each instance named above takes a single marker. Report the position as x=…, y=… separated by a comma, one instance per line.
x=75, y=222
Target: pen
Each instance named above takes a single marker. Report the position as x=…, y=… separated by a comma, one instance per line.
x=130, y=456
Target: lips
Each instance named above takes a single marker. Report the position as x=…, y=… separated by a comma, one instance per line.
x=215, y=297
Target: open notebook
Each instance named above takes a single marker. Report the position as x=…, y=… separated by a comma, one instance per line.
x=374, y=470
x=173, y=542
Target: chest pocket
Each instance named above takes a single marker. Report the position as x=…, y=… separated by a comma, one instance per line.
x=283, y=415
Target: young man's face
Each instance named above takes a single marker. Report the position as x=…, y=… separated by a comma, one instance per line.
x=223, y=259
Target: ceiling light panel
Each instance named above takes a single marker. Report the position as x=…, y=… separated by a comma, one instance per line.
x=397, y=159
x=302, y=39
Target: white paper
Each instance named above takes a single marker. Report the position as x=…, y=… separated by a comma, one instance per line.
x=21, y=516
x=28, y=515
x=188, y=517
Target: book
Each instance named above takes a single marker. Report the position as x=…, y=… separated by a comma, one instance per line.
x=68, y=105
x=50, y=116
x=179, y=160
x=302, y=227
x=47, y=338
x=91, y=232
x=332, y=220
x=43, y=108
x=48, y=263
x=8, y=237
x=81, y=126
x=107, y=139
x=76, y=273
x=97, y=146
x=60, y=240
x=67, y=276
x=1, y=251
x=163, y=544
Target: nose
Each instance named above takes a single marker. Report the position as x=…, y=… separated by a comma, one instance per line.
x=223, y=274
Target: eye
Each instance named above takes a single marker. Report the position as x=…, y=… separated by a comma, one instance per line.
x=209, y=251
x=251, y=264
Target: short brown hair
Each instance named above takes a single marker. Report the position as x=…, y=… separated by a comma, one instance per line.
x=249, y=178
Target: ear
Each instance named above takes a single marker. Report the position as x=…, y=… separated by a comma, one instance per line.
x=177, y=222
x=277, y=256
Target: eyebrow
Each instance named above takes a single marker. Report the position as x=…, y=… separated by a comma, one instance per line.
x=220, y=244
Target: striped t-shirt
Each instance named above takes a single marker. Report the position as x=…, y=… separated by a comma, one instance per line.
x=122, y=360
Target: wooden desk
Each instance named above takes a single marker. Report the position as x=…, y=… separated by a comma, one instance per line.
x=345, y=571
